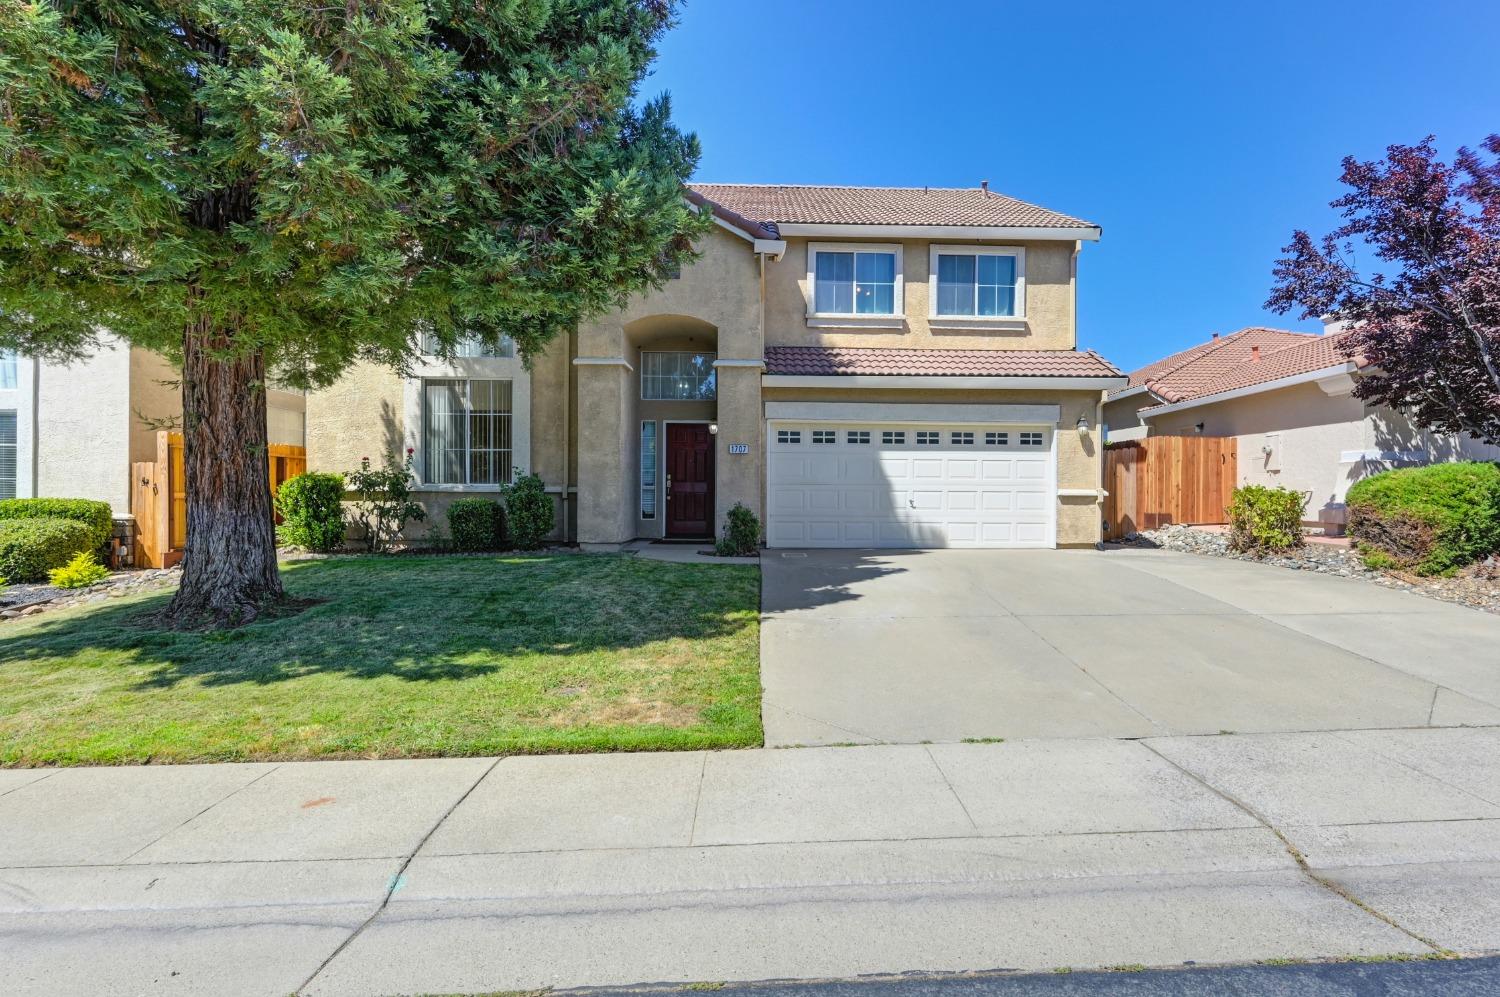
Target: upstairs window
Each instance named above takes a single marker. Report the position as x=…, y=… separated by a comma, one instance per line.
x=855, y=281
x=978, y=282
x=678, y=377
x=471, y=346
x=8, y=379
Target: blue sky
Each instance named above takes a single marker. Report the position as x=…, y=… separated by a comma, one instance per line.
x=1199, y=136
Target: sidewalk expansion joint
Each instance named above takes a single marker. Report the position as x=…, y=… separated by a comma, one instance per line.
x=234, y=792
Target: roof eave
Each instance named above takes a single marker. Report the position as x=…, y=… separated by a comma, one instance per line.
x=944, y=381
x=1023, y=233
x=1308, y=376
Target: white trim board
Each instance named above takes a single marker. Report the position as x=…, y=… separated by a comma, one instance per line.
x=875, y=412
x=1306, y=377
x=930, y=381
x=1022, y=232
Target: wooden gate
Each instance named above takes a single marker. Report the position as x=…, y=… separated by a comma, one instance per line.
x=1168, y=479
x=159, y=496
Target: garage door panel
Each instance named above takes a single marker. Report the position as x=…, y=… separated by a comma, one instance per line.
x=967, y=490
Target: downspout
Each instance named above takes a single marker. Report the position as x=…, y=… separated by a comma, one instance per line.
x=569, y=532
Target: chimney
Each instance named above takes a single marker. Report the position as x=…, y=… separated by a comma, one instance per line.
x=1333, y=325
x=1215, y=336
x=1255, y=353
x=984, y=186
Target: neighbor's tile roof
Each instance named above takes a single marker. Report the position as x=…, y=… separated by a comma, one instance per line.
x=852, y=360
x=1188, y=372
x=1312, y=354
x=796, y=204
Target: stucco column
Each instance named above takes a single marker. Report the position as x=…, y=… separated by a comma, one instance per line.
x=738, y=475
x=604, y=451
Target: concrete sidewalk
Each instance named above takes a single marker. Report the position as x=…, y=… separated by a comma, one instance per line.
x=479, y=874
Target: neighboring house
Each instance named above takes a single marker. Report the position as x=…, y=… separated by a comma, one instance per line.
x=861, y=367
x=1288, y=399
x=75, y=429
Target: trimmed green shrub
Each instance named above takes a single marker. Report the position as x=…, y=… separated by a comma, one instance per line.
x=1265, y=520
x=477, y=524
x=29, y=548
x=81, y=572
x=1431, y=520
x=96, y=515
x=311, y=507
x=528, y=511
x=741, y=534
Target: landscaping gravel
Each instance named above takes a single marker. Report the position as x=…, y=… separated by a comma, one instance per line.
x=1477, y=586
x=29, y=600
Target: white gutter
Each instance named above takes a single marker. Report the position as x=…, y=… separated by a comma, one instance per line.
x=931, y=381
x=1129, y=393
x=1021, y=232
x=1307, y=377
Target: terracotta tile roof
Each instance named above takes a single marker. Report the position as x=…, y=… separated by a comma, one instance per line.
x=757, y=229
x=968, y=206
x=1314, y=353
x=1186, y=373
x=867, y=360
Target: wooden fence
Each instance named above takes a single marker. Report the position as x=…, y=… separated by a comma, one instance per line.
x=1167, y=479
x=159, y=496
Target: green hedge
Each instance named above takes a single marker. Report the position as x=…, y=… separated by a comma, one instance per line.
x=1431, y=520
x=30, y=548
x=1265, y=520
x=311, y=507
x=96, y=515
x=477, y=524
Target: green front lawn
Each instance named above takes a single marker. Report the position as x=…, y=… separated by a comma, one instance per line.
x=404, y=657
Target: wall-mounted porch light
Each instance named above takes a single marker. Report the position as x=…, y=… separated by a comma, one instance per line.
x=1083, y=427
x=713, y=429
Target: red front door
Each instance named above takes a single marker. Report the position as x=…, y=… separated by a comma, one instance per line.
x=690, y=480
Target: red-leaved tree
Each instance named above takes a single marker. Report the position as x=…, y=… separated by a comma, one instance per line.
x=1426, y=314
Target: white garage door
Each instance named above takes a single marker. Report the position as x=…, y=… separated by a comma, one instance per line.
x=873, y=485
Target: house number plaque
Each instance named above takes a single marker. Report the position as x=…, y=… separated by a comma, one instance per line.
x=739, y=448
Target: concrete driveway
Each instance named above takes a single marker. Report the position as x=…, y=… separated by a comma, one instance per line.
x=911, y=646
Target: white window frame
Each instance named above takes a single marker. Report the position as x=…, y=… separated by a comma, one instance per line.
x=853, y=320
x=14, y=447
x=470, y=347
x=653, y=487
x=423, y=452
x=712, y=366
x=970, y=321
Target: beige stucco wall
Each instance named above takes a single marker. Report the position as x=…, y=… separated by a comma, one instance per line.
x=1079, y=458
x=1124, y=413
x=1049, y=304
x=1309, y=433
x=84, y=428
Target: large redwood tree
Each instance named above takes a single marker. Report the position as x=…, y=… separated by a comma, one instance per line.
x=270, y=190
x=1424, y=298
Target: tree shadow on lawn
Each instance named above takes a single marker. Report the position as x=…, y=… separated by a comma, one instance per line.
x=419, y=619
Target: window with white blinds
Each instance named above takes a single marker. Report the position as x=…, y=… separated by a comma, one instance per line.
x=466, y=427
x=8, y=454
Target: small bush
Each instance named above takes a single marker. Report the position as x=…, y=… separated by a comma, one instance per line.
x=81, y=572
x=741, y=534
x=383, y=503
x=29, y=548
x=1264, y=520
x=1430, y=520
x=96, y=515
x=528, y=511
x=311, y=507
x=477, y=524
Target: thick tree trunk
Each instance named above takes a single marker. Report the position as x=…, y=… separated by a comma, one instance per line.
x=229, y=572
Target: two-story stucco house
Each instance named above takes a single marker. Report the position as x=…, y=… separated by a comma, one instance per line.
x=861, y=367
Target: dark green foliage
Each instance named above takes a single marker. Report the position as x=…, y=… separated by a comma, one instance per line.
x=96, y=515
x=741, y=534
x=1265, y=520
x=29, y=548
x=311, y=507
x=324, y=181
x=477, y=524
x=528, y=512
x=1431, y=520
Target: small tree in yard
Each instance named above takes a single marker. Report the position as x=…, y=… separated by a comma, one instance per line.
x=267, y=189
x=1428, y=320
